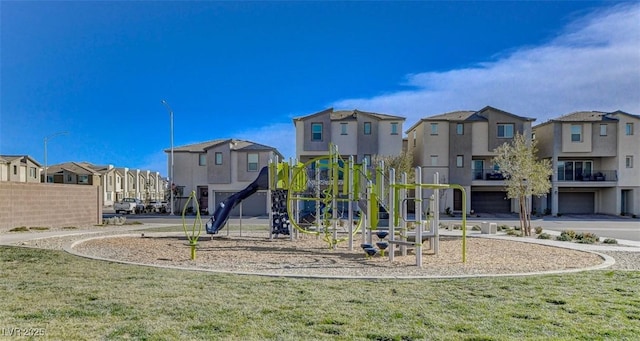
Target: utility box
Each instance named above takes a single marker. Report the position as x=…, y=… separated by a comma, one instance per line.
x=488, y=228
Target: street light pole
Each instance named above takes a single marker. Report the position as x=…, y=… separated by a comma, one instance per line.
x=46, y=139
x=171, y=167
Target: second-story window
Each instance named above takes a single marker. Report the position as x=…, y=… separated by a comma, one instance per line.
x=459, y=161
x=460, y=129
x=505, y=130
x=252, y=162
x=15, y=170
x=343, y=129
x=110, y=180
x=629, y=129
x=202, y=159
x=603, y=130
x=83, y=179
x=415, y=137
x=218, y=158
x=394, y=128
x=316, y=131
x=434, y=160
x=32, y=172
x=434, y=128
x=576, y=133
x=367, y=128
x=628, y=161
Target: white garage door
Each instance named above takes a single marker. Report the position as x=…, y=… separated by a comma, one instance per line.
x=576, y=202
x=253, y=206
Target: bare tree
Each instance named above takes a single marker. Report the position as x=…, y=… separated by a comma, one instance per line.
x=402, y=163
x=525, y=176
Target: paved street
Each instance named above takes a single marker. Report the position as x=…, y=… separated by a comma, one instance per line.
x=602, y=225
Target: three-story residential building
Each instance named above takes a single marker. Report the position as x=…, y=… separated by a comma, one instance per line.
x=459, y=146
x=595, y=162
x=355, y=133
x=216, y=170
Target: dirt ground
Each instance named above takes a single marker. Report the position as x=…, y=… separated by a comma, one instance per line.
x=311, y=256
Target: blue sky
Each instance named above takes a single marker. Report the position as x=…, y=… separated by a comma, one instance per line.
x=99, y=70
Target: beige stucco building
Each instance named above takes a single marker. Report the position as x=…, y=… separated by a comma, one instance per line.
x=356, y=133
x=595, y=162
x=459, y=146
x=216, y=169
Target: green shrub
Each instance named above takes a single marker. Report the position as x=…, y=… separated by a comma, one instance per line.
x=564, y=238
x=538, y=229
x=571, y=234
x=586, y=238
x=544, y=236
x=513, y=233
x=38, y=228
x=19, y=229
x=503, y=227
x=610, y=241
x=475, y=228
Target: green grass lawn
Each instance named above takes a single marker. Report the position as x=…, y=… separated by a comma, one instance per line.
x=74, y=298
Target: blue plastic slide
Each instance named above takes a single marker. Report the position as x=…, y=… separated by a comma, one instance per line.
x=221, y=214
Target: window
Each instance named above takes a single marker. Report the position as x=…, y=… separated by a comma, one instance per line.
x=415, y=135
x=218, y=158
x=110, y=180
x=505, y=130
x=434, y=128
x=316, y=131
x=49, y=178
x=603, y=130
x=83, y=179
x=343, y=129
x=459, y=161
x=628, y=161
x=367, y=158
x=394, y=128
x=434, y=160
x=478, y=169
x=202, y=159
x=367, y=128
x=460, y=129
x=629, y=128
x=69, y=178
x=576, y=133
x=32, y=172
x=575, y=170
x=252, y=162
x=15, y=170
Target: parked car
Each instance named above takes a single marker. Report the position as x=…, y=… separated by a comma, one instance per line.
x=157, y=206
x=129, y=205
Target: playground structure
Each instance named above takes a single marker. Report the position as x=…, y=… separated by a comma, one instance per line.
x=336, y=199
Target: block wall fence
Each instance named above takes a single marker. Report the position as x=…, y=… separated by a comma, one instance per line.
x=49, y=205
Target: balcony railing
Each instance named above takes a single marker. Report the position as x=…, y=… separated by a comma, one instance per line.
x=487, y=174
x=595, y=175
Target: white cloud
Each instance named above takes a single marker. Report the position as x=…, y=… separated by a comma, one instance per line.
x=594, y=64
x=282, y=136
